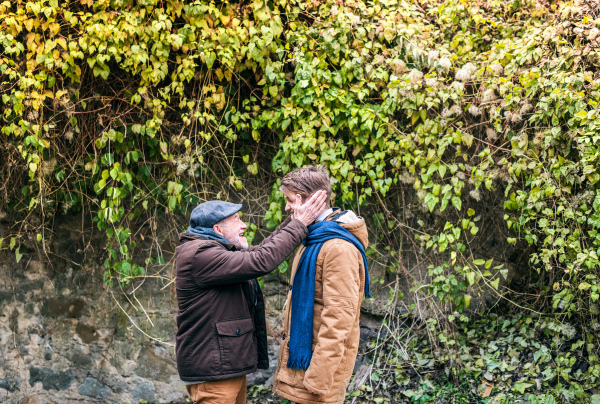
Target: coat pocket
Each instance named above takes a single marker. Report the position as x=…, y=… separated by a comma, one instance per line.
x=292, y=377
x=236, y=344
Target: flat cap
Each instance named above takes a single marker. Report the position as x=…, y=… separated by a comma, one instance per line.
x=209, y=213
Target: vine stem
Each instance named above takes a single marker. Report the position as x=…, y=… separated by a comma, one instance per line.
x=137, y=327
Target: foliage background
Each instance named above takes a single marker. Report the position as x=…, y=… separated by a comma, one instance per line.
x=440, y=122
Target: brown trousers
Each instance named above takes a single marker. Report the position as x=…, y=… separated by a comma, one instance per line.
x=228, y=391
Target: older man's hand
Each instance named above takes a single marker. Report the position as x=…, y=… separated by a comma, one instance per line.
x=309, y=211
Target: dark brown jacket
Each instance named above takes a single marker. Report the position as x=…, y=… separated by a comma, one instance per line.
x=221, y=331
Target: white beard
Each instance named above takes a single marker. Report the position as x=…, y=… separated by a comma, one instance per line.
x=236, y=240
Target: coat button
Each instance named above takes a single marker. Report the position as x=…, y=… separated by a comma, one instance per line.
x=290, y=287
x=238, y=331
x=283, y=336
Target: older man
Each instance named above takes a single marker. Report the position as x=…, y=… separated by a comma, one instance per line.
x=221, y=334
x=329, y=279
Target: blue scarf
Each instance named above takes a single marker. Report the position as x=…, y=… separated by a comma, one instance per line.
x=208, y=233
x=303, y=291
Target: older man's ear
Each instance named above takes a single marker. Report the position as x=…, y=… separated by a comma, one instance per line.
x=217, y=228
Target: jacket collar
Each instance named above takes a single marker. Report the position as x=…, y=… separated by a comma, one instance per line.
x=187, y=237
x=324, y=215
x=332, y=213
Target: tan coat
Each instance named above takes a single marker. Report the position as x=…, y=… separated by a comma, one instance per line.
x=339, y=289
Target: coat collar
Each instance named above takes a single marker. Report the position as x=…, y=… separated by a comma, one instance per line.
x=187, y=237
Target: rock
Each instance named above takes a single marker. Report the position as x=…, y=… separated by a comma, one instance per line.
x=30, y=308
x=87, y=333
x=262, y=376
x=270, y=381
x=93, y=388
x=5, y=295
x=79, y=358
x=36, y=400
x=63, y=307
x=359, y=377
x=9, y=384
x=13, y=321
x=49, y=379
x=143, y=391
x=28, y=286
x=360, y=360
x=36, y=328
x=258, y=377
x=155, y=363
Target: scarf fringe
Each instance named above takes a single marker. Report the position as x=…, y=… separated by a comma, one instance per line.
x=298, y=363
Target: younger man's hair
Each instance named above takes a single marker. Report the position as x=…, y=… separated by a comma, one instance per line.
x=307, y=180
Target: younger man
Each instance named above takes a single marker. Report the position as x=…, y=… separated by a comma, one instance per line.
x=321, y=319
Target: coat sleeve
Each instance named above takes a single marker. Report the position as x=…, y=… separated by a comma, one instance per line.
x=218, y=266
x=341, y=300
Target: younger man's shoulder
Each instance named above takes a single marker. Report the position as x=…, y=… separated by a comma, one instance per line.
x=346, y=217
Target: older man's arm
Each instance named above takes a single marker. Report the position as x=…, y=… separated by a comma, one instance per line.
x=215, y=265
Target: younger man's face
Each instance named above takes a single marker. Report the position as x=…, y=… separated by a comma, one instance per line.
x=290, y=200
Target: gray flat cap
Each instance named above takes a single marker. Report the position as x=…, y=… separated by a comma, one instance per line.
x=209, y=213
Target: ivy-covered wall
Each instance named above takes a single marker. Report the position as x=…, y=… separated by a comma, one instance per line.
x=445, y=123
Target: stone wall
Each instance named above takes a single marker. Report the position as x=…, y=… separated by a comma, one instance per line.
x=66, y=337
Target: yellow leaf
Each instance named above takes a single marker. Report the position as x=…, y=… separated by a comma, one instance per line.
x=62, y=42
x=30, y=38
x=225, y=19
x=467, y=139
x=29, y=25
x=54, y=28
x=30, y=64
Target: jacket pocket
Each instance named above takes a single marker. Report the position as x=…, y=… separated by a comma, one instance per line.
x=292, y=377
x=236, y=344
